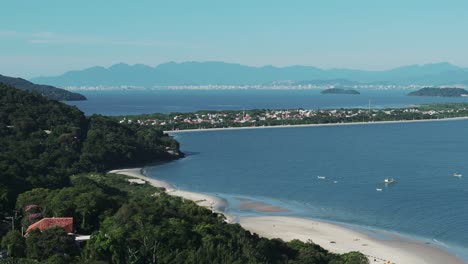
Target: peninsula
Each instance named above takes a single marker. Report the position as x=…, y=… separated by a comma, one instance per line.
x=292, y=117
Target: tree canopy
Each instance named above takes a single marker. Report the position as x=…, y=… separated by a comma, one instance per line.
x=43, y=141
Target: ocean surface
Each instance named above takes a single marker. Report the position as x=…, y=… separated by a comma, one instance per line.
x=165, y=101
x=280, y=166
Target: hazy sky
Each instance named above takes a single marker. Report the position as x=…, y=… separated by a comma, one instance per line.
x=49, y=37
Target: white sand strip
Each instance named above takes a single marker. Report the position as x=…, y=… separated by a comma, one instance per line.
x=317, y=125
x=339, y=239
x=214, y=203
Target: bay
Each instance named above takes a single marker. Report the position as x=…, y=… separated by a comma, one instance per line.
x=280, y=166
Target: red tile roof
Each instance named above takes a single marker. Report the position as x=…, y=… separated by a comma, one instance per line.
x=65, y=222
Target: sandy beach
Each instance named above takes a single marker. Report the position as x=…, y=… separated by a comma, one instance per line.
x=332, y=237
x=216, y=204
x=317, y=125
x=339, y=239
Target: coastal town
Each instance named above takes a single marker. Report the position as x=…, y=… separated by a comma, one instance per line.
x=269, y=117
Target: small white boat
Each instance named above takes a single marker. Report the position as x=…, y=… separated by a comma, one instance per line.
x=321, y=177
x=378, y=189
x=389, y=180
x=335, y=181
x=457, y=175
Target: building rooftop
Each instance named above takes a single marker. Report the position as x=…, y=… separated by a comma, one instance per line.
x=64, y=222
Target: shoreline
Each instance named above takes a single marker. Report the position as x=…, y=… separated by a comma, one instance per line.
x=317, y=125
x=214, y=203
x=331, y=236
x=340, y=239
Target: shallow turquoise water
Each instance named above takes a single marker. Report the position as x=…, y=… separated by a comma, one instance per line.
x=280, y=166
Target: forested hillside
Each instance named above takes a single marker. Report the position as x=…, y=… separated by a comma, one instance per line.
x=48, y=91
x=51, y=163
x=142, y=224
x=42, y=142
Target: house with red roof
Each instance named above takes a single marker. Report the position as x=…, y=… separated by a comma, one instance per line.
x=64, y=222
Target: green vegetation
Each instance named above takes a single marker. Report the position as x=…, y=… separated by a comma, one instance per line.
x=50, y=243
x=142, y=224
x=443, y=92
x=339, y=91
x=48, y=91
x=15, y=244
x=52, y=159
x=42, y=142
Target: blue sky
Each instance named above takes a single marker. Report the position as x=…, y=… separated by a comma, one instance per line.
x=50, y=37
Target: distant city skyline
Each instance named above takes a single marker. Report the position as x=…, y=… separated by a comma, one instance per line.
x=52, y=37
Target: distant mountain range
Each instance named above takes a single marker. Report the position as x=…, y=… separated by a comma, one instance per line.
x=51, y=92
x=219, y=73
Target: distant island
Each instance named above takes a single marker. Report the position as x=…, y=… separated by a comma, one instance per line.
x=442, y=92
x=339, y=91
x=48, y=91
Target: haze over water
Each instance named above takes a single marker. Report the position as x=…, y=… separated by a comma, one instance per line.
x=166, y=101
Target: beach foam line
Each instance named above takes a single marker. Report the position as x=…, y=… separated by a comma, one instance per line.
x=216, y=204
x=317, y=125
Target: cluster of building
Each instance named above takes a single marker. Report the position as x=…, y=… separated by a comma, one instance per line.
x=240, y=117
x=430, y=112
x=252, y=117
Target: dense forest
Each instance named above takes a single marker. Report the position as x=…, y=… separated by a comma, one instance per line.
x=142, y=224
x=48, y=91
x=43, y=141
x=52, y=160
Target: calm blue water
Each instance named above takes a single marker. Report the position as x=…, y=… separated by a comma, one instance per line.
x=160, y=101
x=280, y=166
